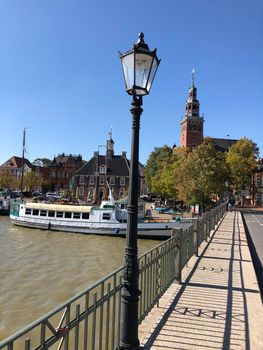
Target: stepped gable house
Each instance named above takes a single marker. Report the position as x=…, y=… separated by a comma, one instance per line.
x=61, y=170
x=92, y=181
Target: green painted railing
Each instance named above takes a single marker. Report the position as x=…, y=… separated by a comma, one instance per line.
x=91, y=319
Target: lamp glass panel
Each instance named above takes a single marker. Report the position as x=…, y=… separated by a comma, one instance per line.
x=152, y=73
x=142, y=69
x=128, y=69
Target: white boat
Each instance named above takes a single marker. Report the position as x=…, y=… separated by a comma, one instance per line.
x=107, y=219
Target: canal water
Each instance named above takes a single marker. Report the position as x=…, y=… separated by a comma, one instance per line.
x=40, y=269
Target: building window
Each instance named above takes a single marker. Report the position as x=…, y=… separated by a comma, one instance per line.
x=112, y=180
x=121, y=193
x=102, y=169
x=90, y=193
x=91, y=180
x=102, y=178
x=81, y=191
x=81, y=180
x=122, y=181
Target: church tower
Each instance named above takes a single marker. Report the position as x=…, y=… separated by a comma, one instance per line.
x=110, y=146
x=192, y=123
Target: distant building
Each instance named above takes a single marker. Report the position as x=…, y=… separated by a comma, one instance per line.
x=13, y=167
x=93, y=179
x=257, y=184
x=61, y=170
x=192, y=124
x=222, y=145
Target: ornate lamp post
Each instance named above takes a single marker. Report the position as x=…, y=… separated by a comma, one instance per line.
x=139, y=66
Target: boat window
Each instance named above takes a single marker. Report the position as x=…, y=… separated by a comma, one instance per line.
x=59, y=214
x=76, y=215
x=28, y=211
x=85, y=215
x=35, y=212
x=68, y=215
x=43, y=213
x=105, y=216
x=51, y=213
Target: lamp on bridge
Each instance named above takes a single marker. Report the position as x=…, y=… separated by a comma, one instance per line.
x=139, y=66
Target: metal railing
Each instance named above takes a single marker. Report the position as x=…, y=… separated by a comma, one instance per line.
x=91, y=319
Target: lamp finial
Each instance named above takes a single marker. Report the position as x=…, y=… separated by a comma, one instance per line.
x=140, y=42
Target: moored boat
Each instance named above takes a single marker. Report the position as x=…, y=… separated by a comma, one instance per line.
x=107, y=219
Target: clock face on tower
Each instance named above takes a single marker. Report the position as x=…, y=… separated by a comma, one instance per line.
x=110, y=145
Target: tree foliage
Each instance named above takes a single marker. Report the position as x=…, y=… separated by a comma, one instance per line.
x=32, y=180
x=44, y=162
x=241, y=160
x=7, y=180
x=201, y=174
x=153, y=169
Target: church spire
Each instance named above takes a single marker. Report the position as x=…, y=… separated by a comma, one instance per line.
x=192, y=104
x=193, y=77
x=110, y=145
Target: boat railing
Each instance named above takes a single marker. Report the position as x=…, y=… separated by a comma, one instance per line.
x=91, y=319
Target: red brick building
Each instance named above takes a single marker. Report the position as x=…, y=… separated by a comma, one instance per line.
x=192, y=123
x=61, y=170
x=92, y=181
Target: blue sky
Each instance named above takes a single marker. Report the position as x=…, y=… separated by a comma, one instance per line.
x=60, y=74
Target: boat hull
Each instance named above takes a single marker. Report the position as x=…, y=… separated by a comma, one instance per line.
x=144, y=230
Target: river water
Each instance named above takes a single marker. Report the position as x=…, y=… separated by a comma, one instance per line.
x=40, y=269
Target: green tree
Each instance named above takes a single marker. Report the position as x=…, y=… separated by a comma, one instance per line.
x=7, y=180
x=32, y=180
x=157, y=159
x=45, y=162
x=201, y=175
x=241, y=160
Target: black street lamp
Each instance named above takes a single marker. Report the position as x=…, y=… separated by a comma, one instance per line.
x=139, y=67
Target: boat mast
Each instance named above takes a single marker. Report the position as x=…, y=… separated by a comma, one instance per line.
x=23, y=160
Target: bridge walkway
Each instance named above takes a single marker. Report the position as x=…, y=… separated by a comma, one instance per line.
x=217, y=305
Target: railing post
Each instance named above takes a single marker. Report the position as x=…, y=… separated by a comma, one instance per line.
x=180, y=255
x=196, y=235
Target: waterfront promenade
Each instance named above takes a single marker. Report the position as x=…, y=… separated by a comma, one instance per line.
x=217, y=305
